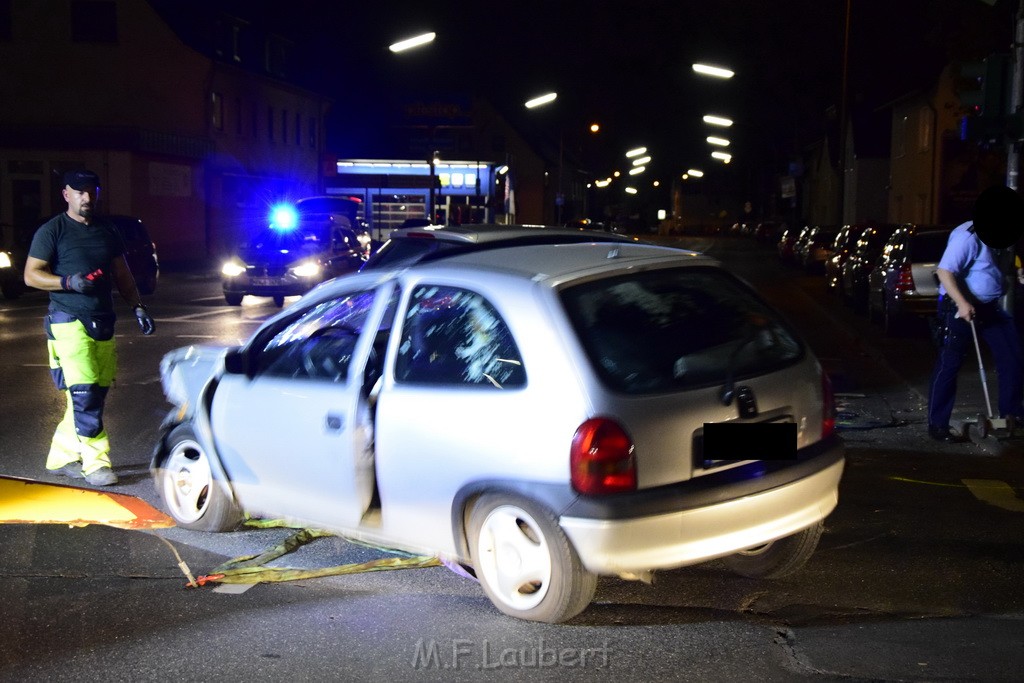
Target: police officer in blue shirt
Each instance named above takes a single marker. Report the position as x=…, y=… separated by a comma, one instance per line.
x=973, y=277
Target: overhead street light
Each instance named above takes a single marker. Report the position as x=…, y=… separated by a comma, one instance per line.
x=723, y=156
x=638, y=170
x=636, y=152
x=716, y=71
x=721, y=142
x=630, y=190
x=410, y=43
x=717, y=120
x=641, y=161
x=542, y=100
x=696, y=173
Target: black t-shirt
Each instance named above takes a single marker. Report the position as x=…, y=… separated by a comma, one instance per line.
x=71, y=247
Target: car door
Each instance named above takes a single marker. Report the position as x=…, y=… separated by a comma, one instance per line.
x=294, y=431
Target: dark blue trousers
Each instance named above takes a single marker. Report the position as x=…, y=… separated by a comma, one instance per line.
x=998, y=330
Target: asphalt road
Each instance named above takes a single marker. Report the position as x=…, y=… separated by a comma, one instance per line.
x=917, y=577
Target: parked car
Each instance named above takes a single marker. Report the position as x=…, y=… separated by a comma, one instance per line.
x=853, y=274
x=812, y=252
x=305, y=244
x=541, y=414
x=767, y=232
x=139, y=252
x=408, y=246
x=787, y=242
x=842, y=245
x=903, y=285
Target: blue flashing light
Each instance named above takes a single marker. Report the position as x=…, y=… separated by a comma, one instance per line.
x=284, y=217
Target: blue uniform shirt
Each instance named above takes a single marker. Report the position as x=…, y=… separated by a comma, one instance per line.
x=973, y=263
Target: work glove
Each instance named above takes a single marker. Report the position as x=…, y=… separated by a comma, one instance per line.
x=83, y=284
x=146, y=323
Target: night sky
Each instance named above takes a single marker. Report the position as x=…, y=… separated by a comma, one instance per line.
x=627, y=64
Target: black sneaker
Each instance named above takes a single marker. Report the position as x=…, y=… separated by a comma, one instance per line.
x=73, y=470
x=946, y=435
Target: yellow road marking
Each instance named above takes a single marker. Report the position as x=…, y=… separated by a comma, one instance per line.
x=995, y=492
x=929, y=483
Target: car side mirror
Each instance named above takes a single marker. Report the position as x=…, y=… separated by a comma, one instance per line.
x=236, y=362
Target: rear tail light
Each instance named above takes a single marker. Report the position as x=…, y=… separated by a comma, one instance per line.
x=905, y=279
x=602, y=459
x=828, y=407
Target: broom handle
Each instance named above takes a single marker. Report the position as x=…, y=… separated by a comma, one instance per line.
x=981, y=368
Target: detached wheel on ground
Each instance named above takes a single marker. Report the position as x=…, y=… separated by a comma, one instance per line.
x=525, y=563
x=194, y=496
x=777, y=559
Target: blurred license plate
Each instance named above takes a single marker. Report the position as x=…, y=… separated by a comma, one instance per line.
x=263, y=281
x=749, y=441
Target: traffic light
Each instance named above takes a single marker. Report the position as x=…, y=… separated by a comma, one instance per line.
x=983, y=89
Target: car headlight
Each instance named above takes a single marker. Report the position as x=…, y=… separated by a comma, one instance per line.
x=5, y=260
x=233, y=268
x=306, y=269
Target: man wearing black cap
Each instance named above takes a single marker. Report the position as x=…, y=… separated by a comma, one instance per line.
x=973, y=277
x=79, y=260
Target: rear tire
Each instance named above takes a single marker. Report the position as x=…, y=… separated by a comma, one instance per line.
x=191, y=491
x=779, y=558
x=233, y=299
x=279, y=301
x=525, y=563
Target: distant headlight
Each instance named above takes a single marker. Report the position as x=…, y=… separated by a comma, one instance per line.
x=307, y=269
x=233, y=268
x=5, y=260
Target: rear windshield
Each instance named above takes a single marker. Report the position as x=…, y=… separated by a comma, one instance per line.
x=397, y=252
x=927, y=247
x=668, y=330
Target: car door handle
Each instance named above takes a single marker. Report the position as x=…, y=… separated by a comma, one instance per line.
x=334, y=423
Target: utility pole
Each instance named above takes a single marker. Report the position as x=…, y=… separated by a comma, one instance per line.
x=1016, y=97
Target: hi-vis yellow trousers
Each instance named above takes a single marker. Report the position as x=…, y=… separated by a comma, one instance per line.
x=83, y=368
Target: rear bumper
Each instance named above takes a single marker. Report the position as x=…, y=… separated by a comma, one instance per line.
x=716, y=522
x=906, y=304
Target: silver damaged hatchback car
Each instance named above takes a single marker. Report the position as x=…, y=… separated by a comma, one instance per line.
x=540, y=414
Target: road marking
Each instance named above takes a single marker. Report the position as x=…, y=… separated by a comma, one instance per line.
x=929, y=483
x=995, y=492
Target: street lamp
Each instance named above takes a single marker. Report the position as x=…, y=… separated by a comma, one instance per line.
x=415, y=41
x=715, y=71
x=717, y=120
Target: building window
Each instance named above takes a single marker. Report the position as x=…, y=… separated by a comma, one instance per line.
x=899, y=142
x=94, y=21
x=925, y=126
x=217, y=111
x=276, y=57
x=5, y=20
x=270, y=123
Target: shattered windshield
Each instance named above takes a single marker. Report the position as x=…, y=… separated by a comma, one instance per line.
x=673, y=329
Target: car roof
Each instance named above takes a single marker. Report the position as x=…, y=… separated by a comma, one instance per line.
x=538, y=262
x=482, y=233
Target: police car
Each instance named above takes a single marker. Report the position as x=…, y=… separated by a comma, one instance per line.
x=313, y=240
